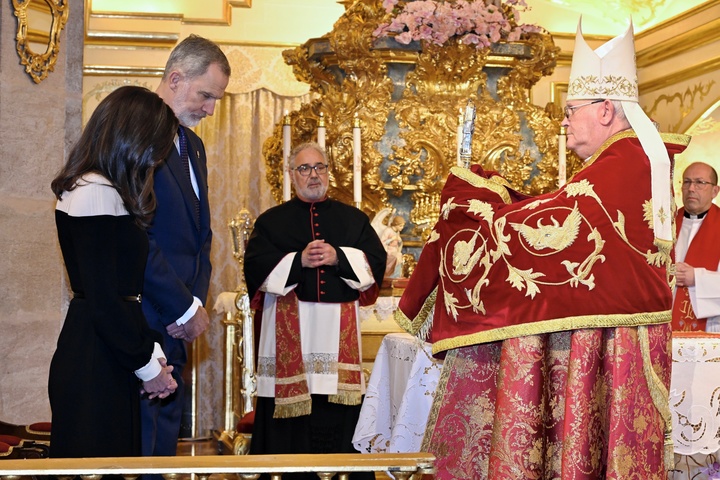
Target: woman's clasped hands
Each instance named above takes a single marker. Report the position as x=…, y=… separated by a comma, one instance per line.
x=162, y=385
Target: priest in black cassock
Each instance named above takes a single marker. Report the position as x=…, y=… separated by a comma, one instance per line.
x=309, y=264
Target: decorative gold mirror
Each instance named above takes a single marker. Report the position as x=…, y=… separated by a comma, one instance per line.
x=38, y=35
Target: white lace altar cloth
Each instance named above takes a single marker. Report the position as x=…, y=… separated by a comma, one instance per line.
x=695, y=393
x=381, y=314
x=399, y=396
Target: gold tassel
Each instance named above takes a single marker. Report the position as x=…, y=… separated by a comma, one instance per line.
x=292, y=410
x=669, y=452
x=346, y=397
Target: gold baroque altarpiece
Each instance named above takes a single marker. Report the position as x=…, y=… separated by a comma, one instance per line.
x=407, y=98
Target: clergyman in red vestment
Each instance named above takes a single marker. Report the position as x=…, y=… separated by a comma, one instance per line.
x=553, y=312
x=697, y=297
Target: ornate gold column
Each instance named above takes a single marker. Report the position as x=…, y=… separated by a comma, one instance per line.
x=407, y=98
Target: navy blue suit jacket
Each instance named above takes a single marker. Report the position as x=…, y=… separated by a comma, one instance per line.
x=178, y=265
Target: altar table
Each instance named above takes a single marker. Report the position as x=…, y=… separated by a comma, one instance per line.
x=404, y=378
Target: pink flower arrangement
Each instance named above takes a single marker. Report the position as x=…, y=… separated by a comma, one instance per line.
x=475, y=22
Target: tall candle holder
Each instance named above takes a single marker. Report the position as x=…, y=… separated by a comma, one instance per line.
x=240, y=341
x=239, y=380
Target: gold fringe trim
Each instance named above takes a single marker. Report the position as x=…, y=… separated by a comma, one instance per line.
x=659, y=395
x=447, y=368
x=346, y=398
x=498, y=186
x=554, y=325
x=673, y=138
x=421, y=322
x=292, y=410
x=403, y=321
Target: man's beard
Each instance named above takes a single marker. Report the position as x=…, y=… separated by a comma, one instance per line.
x=313, y=194
x=189, y=120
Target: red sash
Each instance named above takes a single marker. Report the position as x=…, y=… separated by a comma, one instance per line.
x=292, y=396
x=349, y=365
x=702, y=253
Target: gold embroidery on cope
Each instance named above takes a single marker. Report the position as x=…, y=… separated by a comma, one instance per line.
x=468, y=249
x=555, y=237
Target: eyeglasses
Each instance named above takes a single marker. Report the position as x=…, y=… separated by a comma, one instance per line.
x=570, y=110
x=699, y=184
x=304, y=170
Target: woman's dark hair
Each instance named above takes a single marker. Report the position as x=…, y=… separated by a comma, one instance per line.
x=130, y=132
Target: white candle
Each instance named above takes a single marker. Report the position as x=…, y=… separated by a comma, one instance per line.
x=459, y=138
x=286, y=156
x=321, y=131
x=562, y=157
x=357, y=163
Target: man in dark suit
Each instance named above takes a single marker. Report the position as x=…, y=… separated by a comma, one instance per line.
x=177, y=275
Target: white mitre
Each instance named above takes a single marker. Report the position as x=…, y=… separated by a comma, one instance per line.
x=609, y=72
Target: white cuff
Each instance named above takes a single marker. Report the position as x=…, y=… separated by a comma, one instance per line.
x=153, y=367
x=275, y=282
x=713, y=325
x=360, y=267
x=190, y=312
x=705, y=296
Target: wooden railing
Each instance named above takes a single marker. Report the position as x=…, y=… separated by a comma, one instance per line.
x=403, y=466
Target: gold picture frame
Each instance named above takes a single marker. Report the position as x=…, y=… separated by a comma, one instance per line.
x=559, y=94
x=39, y=25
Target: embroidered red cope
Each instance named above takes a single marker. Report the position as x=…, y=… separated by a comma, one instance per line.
x=584, y=256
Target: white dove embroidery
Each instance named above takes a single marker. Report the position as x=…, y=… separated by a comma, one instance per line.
x=556, y=237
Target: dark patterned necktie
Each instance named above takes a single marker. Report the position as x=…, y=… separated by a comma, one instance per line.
x=186, y=165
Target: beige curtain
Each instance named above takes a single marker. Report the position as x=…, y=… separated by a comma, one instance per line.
x=234, y=138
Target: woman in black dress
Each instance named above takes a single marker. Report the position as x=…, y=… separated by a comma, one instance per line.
x=106, y=354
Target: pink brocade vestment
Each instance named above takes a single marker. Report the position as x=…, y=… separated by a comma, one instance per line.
x=567, y=405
